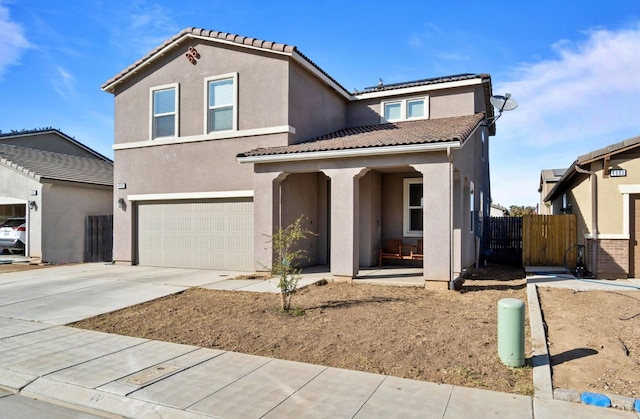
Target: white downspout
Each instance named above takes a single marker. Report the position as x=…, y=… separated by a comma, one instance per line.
x=594, y=216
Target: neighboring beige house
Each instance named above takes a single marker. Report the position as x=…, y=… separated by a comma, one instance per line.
x=603, y=189
x=498, y=211
x=55, y=182
x=220, y=139
x=548, y=179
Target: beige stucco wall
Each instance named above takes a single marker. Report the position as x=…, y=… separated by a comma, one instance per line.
x=370, y=218
x=314, y=109
x=610, y=205
x=63, y=212
x=455, y=102
x=300, y=198
x=206, y=166
x=262, y=89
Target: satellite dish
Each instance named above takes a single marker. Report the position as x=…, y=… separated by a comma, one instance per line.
x=503, y=103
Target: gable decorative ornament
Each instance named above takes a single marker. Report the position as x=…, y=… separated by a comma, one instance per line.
x=192, y=55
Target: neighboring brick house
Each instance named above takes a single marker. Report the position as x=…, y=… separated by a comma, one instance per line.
x=603, y=189
x=407, y=160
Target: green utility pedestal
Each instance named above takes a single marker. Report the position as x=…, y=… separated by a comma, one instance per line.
x=511, y=332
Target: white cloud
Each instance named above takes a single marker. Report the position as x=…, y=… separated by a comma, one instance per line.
x=584, y=98
x=64, y=83
x=591, y=88
x=13, y=41
x=145, y=26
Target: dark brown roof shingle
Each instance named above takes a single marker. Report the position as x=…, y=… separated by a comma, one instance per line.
x=391, y=134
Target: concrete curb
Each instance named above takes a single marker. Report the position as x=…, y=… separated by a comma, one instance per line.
x=542, y=382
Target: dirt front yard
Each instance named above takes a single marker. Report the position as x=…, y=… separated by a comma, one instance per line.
x=439, y=336
x=594, y=339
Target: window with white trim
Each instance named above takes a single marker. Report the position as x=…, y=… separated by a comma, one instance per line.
x=405, y=109
x=221, y=103
x=413, y=207
x=164, y=111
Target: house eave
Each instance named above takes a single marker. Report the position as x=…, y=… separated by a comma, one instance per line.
x=571, y=171
x=298, y=57
x=419, y=89
x=359, y=152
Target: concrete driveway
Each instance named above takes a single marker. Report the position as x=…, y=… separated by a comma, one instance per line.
x=64, y=294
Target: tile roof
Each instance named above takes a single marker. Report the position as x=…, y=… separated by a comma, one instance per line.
x=391, y=134
x=610, y=149
x=551, y=175
x=587, y=158
x=215, y=36
x=57, y=166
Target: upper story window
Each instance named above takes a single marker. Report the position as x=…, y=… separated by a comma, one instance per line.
x=405, y=109
x=221, y=109
x=164, y=111
x=413, y=207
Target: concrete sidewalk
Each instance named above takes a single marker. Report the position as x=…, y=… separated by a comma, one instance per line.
x=139, y=378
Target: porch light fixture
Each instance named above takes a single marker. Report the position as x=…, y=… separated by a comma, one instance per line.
x=121, y=204
x=32, y=205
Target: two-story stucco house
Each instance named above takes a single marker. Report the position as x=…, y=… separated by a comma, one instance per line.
x=220, y=139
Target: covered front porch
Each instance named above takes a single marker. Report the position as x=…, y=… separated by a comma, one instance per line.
x=354, y=211
x=356, y=190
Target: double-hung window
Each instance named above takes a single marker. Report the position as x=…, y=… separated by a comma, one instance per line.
x=164, y=111
x=221, y=103
x=413, y=207
x=405, y=109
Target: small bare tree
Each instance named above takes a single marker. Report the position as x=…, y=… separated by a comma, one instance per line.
x=284, y=242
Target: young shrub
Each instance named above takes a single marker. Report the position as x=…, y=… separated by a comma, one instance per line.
x=284, y=242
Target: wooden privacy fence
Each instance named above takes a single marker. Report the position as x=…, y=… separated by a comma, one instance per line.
x=502, y=240
x=98, y=241
x=546, y=239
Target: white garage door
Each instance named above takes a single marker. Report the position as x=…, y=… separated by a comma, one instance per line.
x=212, y=234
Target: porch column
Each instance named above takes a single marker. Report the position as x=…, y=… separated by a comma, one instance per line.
x=437, y=224
x=345, y=246
x=266, y=215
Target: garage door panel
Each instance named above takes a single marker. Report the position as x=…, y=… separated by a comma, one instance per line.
x=215, y=234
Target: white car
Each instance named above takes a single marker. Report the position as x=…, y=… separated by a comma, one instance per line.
x=13, y=233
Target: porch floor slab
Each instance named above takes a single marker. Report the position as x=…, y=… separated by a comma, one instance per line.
x=399, y=276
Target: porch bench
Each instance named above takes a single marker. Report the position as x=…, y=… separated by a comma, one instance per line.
x=418, y=253
x=395, y=249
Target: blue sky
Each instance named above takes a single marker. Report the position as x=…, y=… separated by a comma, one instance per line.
x=572, y=66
